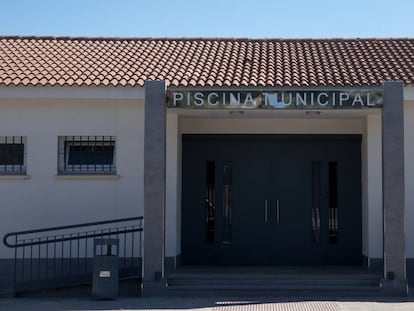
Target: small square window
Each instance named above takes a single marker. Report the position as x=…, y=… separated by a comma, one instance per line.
x=87, y=155
x=12, y=155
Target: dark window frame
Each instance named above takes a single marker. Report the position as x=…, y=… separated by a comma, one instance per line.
x=13, y=154
x=87, y=155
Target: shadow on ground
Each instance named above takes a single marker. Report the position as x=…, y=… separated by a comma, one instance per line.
x=227, y=303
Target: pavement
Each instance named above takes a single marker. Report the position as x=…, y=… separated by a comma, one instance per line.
x=206, y=304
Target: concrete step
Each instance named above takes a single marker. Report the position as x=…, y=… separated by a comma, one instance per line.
x=273, y=287
x=271, y=278
x=336, y=284
x=309, y=294
x=271, y=281
x=274, y=290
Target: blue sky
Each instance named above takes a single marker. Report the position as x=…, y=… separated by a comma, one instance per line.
x=208, y=18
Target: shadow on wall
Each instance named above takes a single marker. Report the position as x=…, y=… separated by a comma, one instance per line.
x=6, y=277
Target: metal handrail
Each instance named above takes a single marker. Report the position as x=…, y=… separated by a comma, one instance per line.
x=43, y=257
x=87, y=224
x=72, y=238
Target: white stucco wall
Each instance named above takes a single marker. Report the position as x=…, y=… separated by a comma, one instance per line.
x=173, y=187
x=46, y=199
x=372, y=187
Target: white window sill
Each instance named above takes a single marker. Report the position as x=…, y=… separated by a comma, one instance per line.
x=87, y=176
x=14, y=177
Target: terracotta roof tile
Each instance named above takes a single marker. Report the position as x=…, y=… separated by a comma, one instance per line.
x=212, y=62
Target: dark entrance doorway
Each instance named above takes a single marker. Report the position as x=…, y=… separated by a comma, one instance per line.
x=271, y=199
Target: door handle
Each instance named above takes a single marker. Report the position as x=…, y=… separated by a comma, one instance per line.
x=277, y=211
x=265, y=210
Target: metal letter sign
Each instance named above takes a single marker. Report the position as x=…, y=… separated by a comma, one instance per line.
x=279, y=100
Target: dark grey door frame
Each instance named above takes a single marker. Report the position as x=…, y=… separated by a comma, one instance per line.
x=154, y=188
x=393, y=185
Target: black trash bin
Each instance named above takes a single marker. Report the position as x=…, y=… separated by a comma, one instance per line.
x=105, y=275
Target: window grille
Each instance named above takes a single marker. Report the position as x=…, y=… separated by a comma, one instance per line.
x=12, y=155
x=86, y=155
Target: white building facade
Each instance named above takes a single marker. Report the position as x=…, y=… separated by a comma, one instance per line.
x=49, y=181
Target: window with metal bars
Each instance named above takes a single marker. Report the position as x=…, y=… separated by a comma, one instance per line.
x=12, y=155
x=86, y=155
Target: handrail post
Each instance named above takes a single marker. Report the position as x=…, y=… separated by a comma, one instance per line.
x=15, y=267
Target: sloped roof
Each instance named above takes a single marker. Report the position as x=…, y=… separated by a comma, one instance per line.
x=205, y=62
